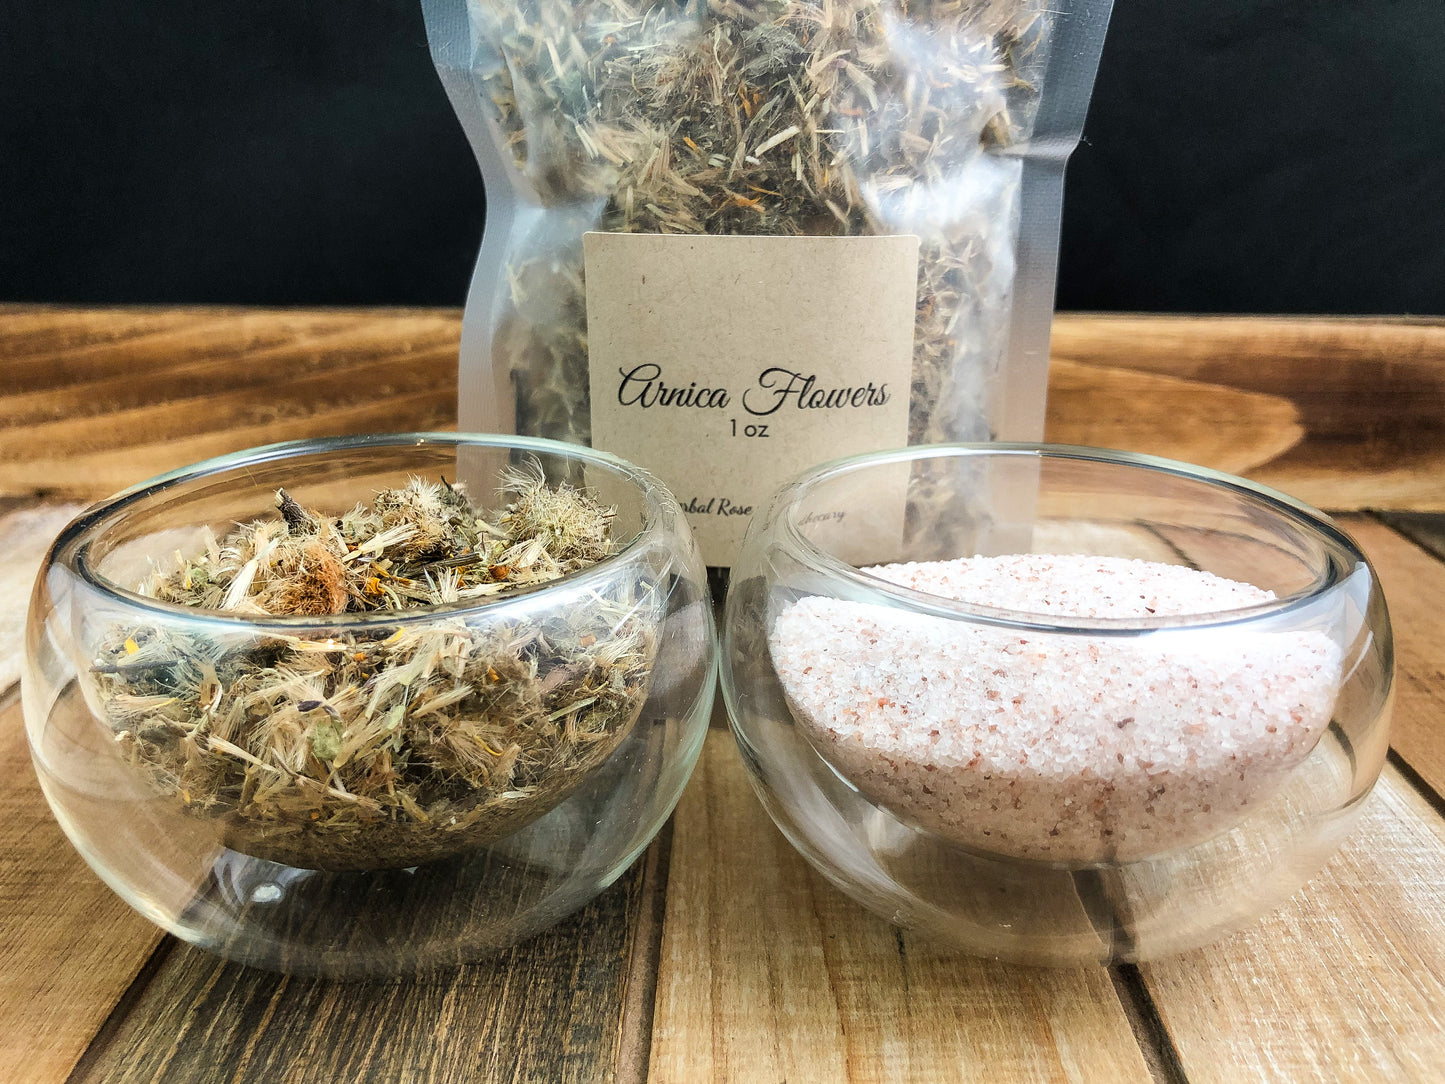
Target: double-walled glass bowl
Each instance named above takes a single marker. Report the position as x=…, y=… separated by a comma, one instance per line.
x=1068, y=789
x=401, y=888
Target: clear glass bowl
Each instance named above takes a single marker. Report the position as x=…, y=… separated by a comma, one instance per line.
x=1067, y=789
x=402, y=893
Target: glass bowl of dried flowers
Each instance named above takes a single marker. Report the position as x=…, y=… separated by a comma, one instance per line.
x=1056, y=705
x=374, y=704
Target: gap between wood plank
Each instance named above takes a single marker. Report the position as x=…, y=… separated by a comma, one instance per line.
x=1408, y=526
x=1427, y=793
x=71, y=946
x=768, y=972
x=634, y=1055
x=1109, y=912
x=1158, y=1049
x=1168, y=543
x=103, y=1038
x=1428, y=542
x=1338, y=983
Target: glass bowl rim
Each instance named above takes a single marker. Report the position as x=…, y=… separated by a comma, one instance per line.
x=75, y=536
x=1311, y=521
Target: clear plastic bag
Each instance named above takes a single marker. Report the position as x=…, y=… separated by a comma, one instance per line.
x=949, y=120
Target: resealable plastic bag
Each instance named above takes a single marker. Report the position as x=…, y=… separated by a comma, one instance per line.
x=730, y=238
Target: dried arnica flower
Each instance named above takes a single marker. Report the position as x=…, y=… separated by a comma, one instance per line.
x=366, y=746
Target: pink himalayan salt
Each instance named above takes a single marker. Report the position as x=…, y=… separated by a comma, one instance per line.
x=1079, y=748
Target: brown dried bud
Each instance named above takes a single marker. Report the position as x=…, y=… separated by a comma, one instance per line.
x=315, y=585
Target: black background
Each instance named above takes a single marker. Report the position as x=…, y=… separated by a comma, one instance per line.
x=1240, y=156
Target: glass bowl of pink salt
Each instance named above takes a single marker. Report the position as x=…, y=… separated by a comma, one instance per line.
x=1056, y=704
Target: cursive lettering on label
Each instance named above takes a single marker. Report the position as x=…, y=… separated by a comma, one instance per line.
x=778, y=385
x=715, y=506
x=642, y=385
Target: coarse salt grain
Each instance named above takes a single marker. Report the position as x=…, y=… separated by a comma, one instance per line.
x=1069, y=748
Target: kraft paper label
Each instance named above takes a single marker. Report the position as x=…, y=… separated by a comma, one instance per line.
x=726, y=365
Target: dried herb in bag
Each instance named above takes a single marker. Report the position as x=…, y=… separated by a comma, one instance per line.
x=740, y=124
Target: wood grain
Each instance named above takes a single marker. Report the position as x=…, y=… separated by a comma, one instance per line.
x=1344, y=413
x=764, y=971
x=96, y=400
x=1345, y=983
x=1370, y=393
x=548, y=1010
x=1220, y=427
x=69, y=947
x=1425, y=529
x=1414, y=585
x=768, y=973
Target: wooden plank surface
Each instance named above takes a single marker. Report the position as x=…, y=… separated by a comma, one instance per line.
x=75, y=1003
x=1344, y=983
x=1345, y=414
x=1219, y=426
x=768, y=973
x=1369, y=393
x=69, y=947
x=1423, y=528
x=93, y=400
x=1414, y=583
x=549, y=1010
